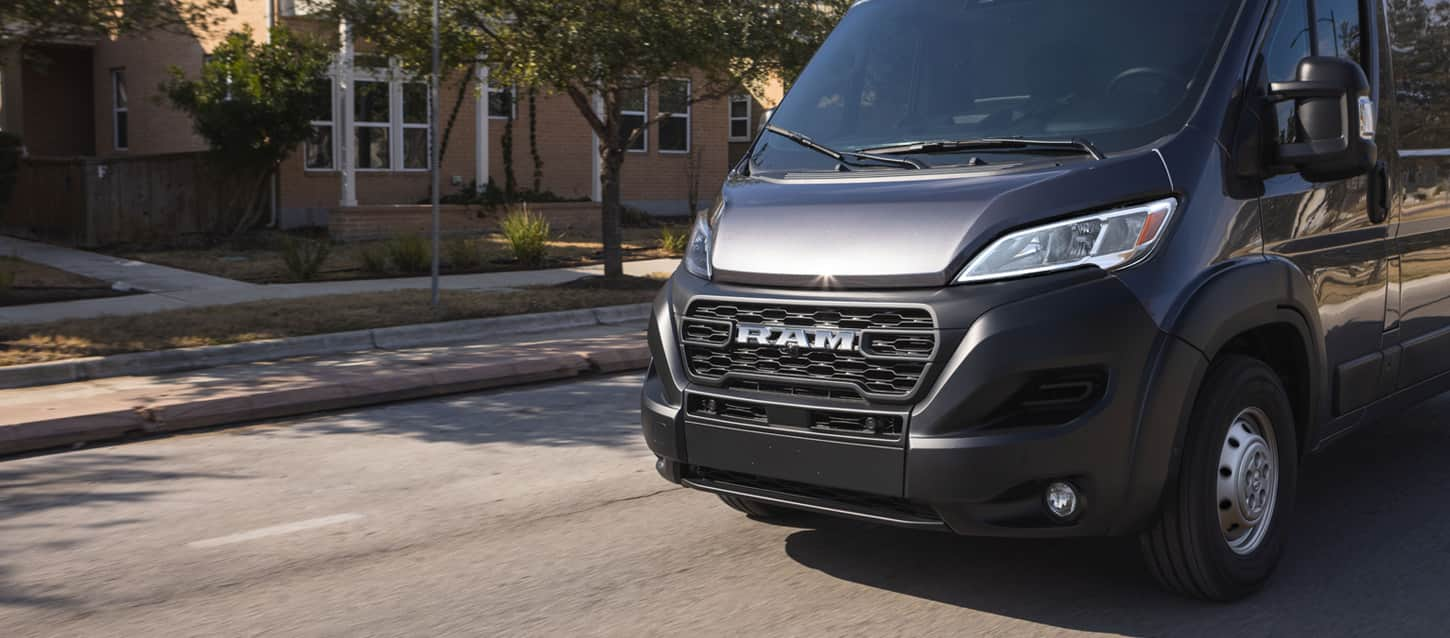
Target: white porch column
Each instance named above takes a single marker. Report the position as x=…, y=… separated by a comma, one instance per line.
x=348, y=142
x=480, y=137
x=597, y=192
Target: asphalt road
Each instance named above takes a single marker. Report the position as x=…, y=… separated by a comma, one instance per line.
x=537, y=512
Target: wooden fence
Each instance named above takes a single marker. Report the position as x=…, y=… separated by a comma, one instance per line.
x=97, y=202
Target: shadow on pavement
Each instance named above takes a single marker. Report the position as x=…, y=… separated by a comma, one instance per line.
x=597, y=412
x=1370, y=554
x=90, y=482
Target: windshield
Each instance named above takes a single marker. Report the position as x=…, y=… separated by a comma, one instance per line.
x=1117, y=73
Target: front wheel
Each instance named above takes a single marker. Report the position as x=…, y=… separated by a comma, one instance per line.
x=1223, y=522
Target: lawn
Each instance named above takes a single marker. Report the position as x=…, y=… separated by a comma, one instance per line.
x=259, y=258
x=24, y=282
x=299, y=317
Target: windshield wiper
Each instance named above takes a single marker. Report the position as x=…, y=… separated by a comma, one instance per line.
x=990, y=144
x=841, y=156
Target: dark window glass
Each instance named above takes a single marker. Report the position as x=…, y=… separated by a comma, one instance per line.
x=627, y=125
x=739, y=129
x=675, y=96
x=415, y=148
x=123, y=133
x=501, y=102
x=319, y=148
x=372, y=147
x=675, y=134
x=415, y=103
x=370, y=102
x=1289, y=43
x=739, y=107
x=1339, y=33
x=320, y=101
x=914, y=70
x=1420, y=30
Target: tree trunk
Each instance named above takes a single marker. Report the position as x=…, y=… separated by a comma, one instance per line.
x=534, y=140
x=253, y=212
x=613, y=212
x=453, y=115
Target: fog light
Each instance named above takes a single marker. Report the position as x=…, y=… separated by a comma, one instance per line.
x=1062, y=500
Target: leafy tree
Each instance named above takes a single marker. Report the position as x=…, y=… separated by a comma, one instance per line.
x=606, y=51
x=27, y=21
x=254, y=103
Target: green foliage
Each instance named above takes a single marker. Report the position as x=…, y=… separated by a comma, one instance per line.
x=374, y=258
x=463, y=253
x=48, y=21
x=606, y=48
x=304, y=257
x=254, y=103
x=528, y=235
x=674, y=240
x=410, y=254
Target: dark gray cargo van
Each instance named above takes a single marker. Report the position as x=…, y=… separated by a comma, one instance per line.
x=1050, y=268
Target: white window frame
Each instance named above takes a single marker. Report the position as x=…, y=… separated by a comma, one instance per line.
x=403, y=125
x=749, y=116
x=395, y=79
x=644, y=117
x=513, y=92
x=330, y=123
x=118, y=84
x=687, y=116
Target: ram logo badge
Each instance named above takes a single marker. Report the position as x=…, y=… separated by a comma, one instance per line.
x=803, y=338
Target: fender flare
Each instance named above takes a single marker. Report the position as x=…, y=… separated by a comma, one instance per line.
x=1229, y=300
x=1242, y=295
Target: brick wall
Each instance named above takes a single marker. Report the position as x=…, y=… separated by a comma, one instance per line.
x=381, y=222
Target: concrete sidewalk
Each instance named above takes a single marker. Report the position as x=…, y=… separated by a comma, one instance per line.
x=48, y=416
x=134, y=275
x=233, y=292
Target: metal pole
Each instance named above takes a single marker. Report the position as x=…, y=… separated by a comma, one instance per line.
x=436, y=113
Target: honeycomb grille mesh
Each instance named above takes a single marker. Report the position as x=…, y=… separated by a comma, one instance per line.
x=897, y=345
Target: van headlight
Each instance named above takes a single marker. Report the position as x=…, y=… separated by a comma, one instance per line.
x=702, y=239
x=1109, y=240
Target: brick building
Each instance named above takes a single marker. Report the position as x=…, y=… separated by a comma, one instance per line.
x=101, y=99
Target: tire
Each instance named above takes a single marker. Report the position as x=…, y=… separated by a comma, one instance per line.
x=752, y=507
x=1224, y=520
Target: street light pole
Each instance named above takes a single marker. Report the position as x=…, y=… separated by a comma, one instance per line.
x=433, y=151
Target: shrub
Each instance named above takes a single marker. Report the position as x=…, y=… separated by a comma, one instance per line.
x=410, y=254
x=463, y=252
x=304, y=257
x=374, y=258
x=673, y=240
x=528, y=235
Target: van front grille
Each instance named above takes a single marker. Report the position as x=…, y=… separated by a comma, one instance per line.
x=892, y=356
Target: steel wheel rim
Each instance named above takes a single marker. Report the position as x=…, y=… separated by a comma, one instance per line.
x=1248, y=481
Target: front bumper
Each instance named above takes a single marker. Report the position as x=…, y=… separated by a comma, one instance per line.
x=974, y=452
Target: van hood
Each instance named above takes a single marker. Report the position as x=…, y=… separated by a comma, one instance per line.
x=905, y=229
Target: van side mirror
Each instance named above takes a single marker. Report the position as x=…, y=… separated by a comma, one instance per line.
x=1336, y=120
x=764, y=121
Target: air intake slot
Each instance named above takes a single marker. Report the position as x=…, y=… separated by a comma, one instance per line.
x=1050, y=399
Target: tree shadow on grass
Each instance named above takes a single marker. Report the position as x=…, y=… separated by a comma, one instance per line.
x=1369, y=554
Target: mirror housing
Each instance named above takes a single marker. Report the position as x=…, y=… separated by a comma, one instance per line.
x=764, y=121
x=1336, y=120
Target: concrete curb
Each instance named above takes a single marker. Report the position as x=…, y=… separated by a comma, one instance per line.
x=415, y=336
x=173, y=416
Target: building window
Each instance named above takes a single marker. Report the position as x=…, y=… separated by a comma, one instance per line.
x=416, y=110
x=503, y=103
x=372, y=122
x=120, y=125
x=634, y=105
x=740, y=118
x=675, y=108
x=320, y=150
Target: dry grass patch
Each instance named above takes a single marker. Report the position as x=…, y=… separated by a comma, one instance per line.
x=260, y=258
x=298, y=317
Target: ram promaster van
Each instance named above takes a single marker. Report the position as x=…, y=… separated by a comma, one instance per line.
x=1052, y=268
